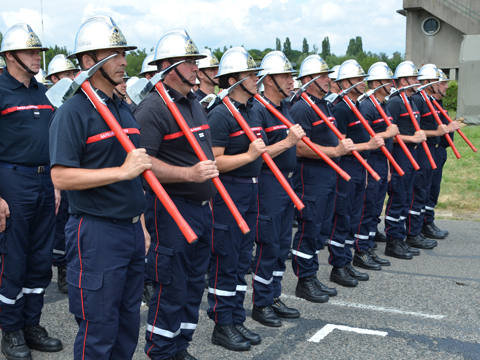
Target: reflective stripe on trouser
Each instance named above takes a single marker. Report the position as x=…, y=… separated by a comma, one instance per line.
x=274, y=237
x=59, y=256
x=347, y=213
x=315, y=184
x=374, y=198
x=178, y=269
x=399, y=190
x=232, y=254
x=104, y=275
x=421, y=192
x=440, y=159
x=26, y=246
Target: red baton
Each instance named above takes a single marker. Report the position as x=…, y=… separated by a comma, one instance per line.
x=307, y=141
x=439, y=122
x=201, y=155
x=148, y=174
x=367, y=127
x=339, y=135
x=268, y=160
x=417, y=128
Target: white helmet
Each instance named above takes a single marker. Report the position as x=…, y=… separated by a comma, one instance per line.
x=334, y=73
x=2, y=63
x=132, y=81
x=41, y=77
x=380, y=71
x=406, y=69
x=443, y=77
x=59, y=64
x=148, y=68
x=297, y=84
x=275, y=62
x=210, y=61
x=236, y=60
x=21, y=37
x=175, y=43
x=428, y=72
x=313, y=64
x=99, y=32
x=350, y=69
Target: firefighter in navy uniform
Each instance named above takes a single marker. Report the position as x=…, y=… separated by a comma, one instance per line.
x=27, y=200
x=400, y=188
x=378, y=75
x=349, y=198
x=275, y=207
x=60, y=67
x=104, y=236
x=239, y=163
x=208, y=69
x=429, y=229
x=177, y=267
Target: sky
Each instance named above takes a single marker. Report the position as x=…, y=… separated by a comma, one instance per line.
x=254, y=24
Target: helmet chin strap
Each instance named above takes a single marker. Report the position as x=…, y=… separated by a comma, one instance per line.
x=209, y=78
x=280, y=90
x=185, y=81
x=356, y=90
x=385, y=89
x=319, y=87
x=124, y=96
x=103, y=72
x=26, y=68
x=431, y=87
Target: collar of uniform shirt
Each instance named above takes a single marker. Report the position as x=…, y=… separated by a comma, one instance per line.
x=177, y=97
x=240, y=105
x=13, y=83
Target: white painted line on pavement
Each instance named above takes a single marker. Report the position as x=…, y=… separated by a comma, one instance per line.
x=327, y=329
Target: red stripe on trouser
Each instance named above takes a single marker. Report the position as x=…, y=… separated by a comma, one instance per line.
x=303, y=222
x=259, y=256
x=156, y=313
x=85, y=340
x=81, y=267
x=334, y=223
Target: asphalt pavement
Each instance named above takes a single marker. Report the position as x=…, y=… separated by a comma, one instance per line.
x=424, y=308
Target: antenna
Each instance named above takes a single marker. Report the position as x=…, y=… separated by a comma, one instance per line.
x=43, y=37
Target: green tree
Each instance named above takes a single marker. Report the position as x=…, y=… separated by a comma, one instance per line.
x=305, y=46
x=326, y=48
x=355, y=46
x=287, y=47
x=278, y=45
x=52, y=52
x=134, y=61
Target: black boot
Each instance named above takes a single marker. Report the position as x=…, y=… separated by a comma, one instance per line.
x=325, y=289
x=378, y=259
x=228, y=337
x=307, y=290
x=14, y=346
x=396, y=249
x=379, y=237
x=281, y=310
x=340, y=276
x=375, y=245
x=365, y=261
x=420, y=242
x=429, y=231
x=289, y=256
x=355, y=273
x=183, y=355
x=37, y=338
x=62, y=279
x=439, y=230
x=266, y=316
x=251, y=337
x=148, y=291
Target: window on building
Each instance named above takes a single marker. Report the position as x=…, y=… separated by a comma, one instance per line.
x=430, y=26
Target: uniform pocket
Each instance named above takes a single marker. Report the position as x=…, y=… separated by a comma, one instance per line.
x=264, y=229
x=3, y=238
x=393, y=184
x=220, y=238
x=309, y=212
x=340, y=203
x=159, y=264
x=85, y=290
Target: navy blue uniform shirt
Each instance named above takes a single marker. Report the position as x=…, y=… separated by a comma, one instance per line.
x=428, y=121
x=25, y=115
x=199, y=94
x=350, y=126
x=400, y=115
x=375, y=120
x=443, y=141
x=276, y=131
x=227, y=133
x=80, y=138
x=163, y=139
x=315, y=128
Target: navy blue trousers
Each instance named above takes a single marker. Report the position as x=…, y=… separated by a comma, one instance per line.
x=440, y=159
x=315, y=185
x=374, y=198
x=25, y=246
x=421, y=191
x=59, y=258
x=399, y=190
x=274, y=237
x=178, y=269
x=105, y=277
x=347, y=213
x=231, y=253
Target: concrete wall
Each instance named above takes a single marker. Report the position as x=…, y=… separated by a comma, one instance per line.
x=468, y=80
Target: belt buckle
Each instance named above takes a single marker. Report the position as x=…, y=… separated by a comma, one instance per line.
x=40, y=169
x=135, y=219
x=290, y=174
x=254, y=180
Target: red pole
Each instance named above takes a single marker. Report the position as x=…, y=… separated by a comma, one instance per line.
x=268, y=160
x=442, y=110
x=339, y=135
x=397, y=137
x=367, y=127
x=439, y=122
x=309, y=143
x=417, y=128
x=148, y=174
x=201, y=155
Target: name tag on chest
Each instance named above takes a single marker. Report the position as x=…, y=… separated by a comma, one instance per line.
x=36, y=114
x=201, y=136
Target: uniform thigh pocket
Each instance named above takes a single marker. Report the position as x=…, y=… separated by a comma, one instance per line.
x=220, y=238
x=85, y=294
x=309, y=212
x=340, y=203
x=264, y=229
x=159, y=264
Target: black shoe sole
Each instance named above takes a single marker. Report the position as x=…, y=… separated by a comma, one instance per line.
x=45, y=349
x=360, y=278
x=403, y=257
x=15, y=358
x=422, y=247
x=269, y=324
x=366, y=267
x=287, y=316
x=311, y=299
x=329, y=293
x=220, y=342
x=382, y=263
x=344, y=284
x=432, y=236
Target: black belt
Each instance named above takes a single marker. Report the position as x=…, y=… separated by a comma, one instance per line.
x=234, y=179
x=33, y=169
x=190, y=201
x=128, y=221
x=287, y=174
